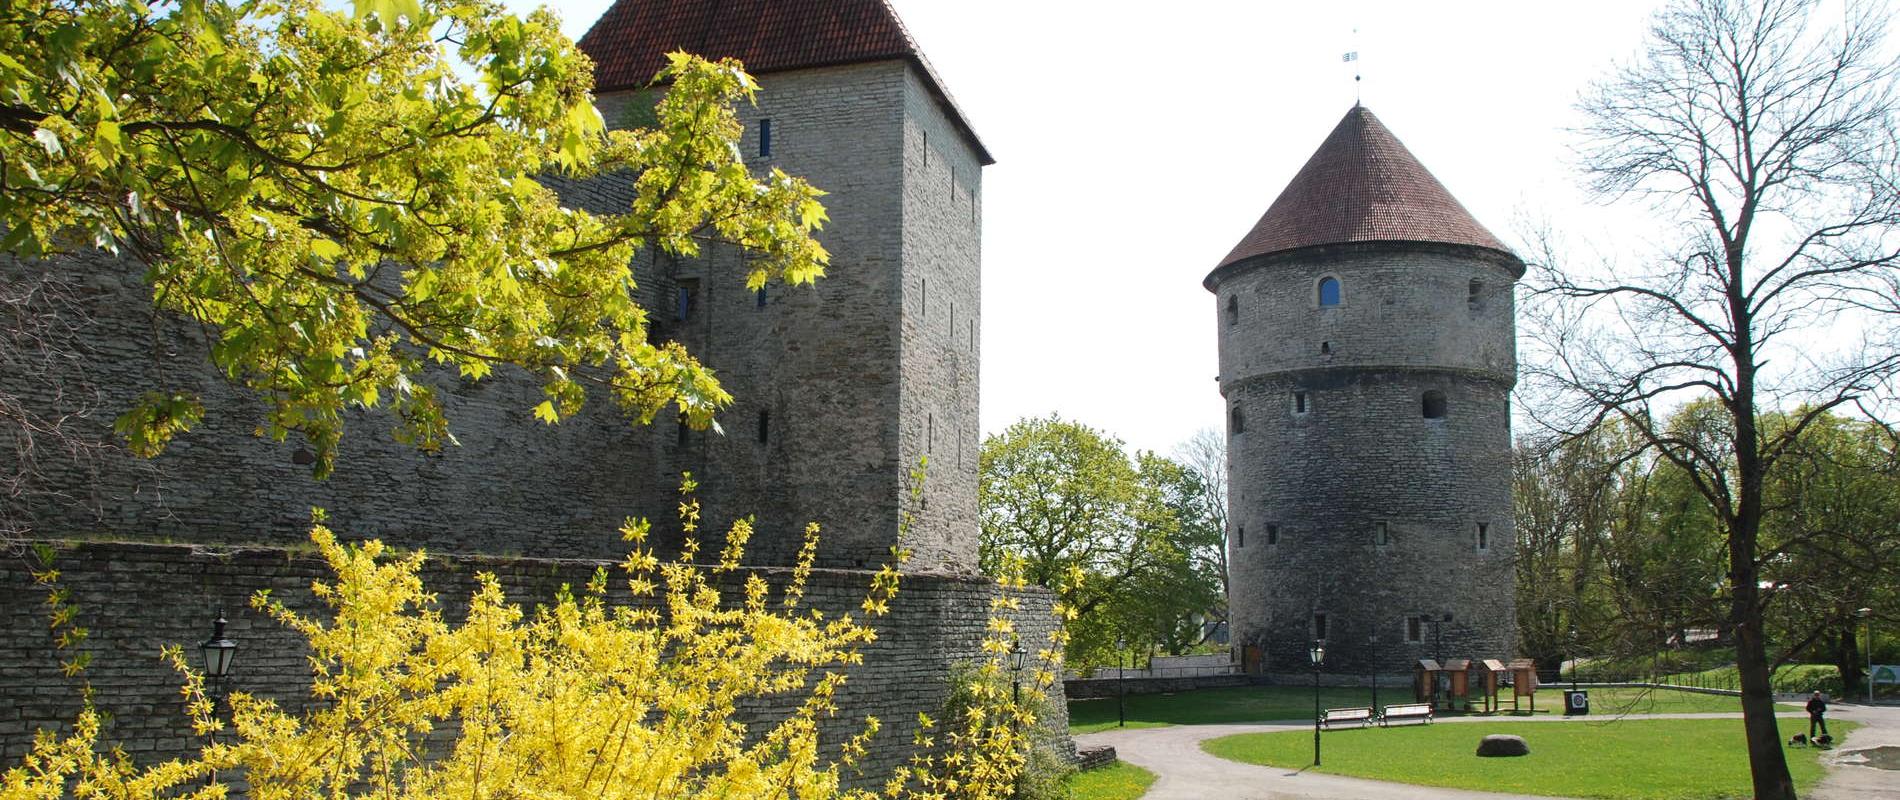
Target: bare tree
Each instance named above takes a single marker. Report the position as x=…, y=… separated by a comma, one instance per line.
x=1768, y=139
x=49, y=417
x=1205, y=454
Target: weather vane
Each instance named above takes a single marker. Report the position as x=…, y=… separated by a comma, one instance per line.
x=1353, y=56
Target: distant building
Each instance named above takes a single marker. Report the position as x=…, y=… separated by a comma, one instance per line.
x=1367, y=357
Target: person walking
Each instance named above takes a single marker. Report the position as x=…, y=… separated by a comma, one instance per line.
x=1817, y=714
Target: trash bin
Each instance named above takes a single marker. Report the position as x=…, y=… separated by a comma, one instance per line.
x=1576, y=702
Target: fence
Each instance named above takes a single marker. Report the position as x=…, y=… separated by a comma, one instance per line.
x=1789, y=679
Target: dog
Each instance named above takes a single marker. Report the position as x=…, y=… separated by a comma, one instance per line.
x=1798, y=740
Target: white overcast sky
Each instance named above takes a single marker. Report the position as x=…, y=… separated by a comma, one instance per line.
x=1137, y=142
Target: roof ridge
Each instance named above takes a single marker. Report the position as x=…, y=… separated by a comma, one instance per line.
x=630, y=40
x=1361, y=185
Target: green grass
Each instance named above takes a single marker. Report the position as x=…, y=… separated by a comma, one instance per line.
x=1259, y=703
x=1117, y=781
x=1692, y=759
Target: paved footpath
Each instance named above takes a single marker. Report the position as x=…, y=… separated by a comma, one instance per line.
x=1848, y=777
x=1183, y=771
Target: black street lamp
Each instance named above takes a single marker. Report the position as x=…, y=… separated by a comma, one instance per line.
x=218, y=653
x=1018, y=659
x=1121, y=692
x=1318, y=653
x=1378, y=653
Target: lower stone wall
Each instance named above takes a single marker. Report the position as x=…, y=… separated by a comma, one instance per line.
x=137, y=597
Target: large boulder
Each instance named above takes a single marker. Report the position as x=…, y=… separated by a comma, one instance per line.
x=1499, y=744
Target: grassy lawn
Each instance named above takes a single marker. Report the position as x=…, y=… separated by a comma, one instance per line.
x=1699, y=759
x=1258, y=703
x=1117, y=781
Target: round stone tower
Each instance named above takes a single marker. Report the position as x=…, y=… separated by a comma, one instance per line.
x=1367, y=357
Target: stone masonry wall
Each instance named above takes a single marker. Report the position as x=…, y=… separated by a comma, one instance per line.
x=942, y=317
x=819, y=364
x=511, y=487
x=1360, y=508
x=833, y=373
x=816, y=432
x=137, y=597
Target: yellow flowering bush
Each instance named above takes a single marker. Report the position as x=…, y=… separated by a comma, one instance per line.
x=580, y=697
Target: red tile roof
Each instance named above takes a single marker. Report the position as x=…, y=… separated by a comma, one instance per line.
x=630, y=41
x=1362, y=185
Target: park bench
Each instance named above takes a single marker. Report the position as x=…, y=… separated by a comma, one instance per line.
x=1363, y=716
x=1411, y=712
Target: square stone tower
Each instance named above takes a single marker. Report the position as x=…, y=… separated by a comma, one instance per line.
x=843, y=387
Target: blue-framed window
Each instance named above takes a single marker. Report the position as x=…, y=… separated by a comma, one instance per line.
x=1328, y=291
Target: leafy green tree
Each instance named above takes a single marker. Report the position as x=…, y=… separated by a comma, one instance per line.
x=1832, y=541
x=346, y=200
x=1563, y=493
x=1112, y=535
x=1618, y=555
x=1175, y=604
x=1621, y=557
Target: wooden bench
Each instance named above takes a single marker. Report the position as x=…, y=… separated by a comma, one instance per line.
x=1410, y=712
x=1363, y=716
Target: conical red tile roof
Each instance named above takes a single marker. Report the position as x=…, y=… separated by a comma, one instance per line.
x=630, y=41
x=1362, y=185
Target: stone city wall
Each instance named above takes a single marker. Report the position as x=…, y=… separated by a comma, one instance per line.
x=138, y=597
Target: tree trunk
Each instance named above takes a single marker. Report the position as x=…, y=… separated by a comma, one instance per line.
x=1767, y=763
x=1848, y=659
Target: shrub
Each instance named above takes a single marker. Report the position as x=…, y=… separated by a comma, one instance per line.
x=579, y=697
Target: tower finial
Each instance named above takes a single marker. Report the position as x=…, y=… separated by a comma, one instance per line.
x=1353, y=56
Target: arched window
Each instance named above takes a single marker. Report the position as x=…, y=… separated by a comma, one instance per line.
x=1238, y=422
x=1328, y=291
x=1434, y=404
x=1233, y=310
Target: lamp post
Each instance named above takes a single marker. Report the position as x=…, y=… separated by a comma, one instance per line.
x=1867, y=615
x=1121, y=674
x=1378, y=653
x=1017, y=660
x=1318, y=653
x=218, y=652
